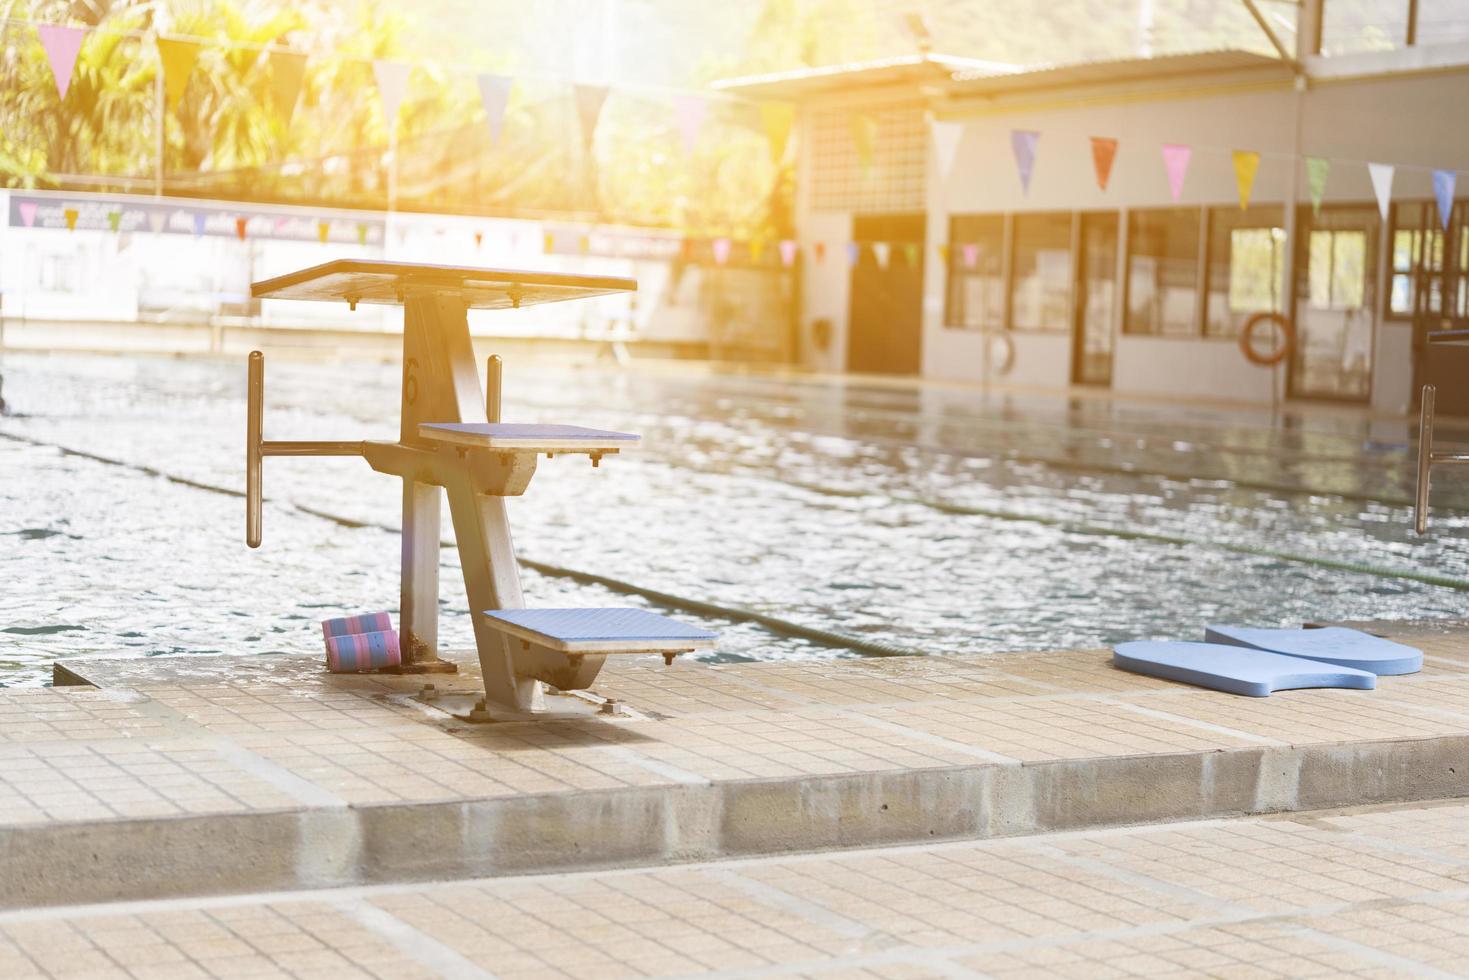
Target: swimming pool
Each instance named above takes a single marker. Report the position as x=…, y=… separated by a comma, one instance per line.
x=930, y=518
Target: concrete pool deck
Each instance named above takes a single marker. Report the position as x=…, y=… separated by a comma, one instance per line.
x=180, y=776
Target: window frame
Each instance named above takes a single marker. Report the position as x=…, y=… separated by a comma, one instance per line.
x=1200, y=272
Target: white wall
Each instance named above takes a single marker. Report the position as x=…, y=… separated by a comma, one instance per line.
x=825, y=288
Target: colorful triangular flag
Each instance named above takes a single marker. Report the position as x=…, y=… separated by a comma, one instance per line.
x=946, y=137
x=689, y=112
x=157, y=220
x=1175, y=161
x=943, y=248
x=720, y=248
x=1246, y=165
x=854, y=252
x=1104, y=152
x=819, y=250
x=28, y=213
x=589, y=101
x=287, y=71
x=71, y=215
x=882, y=251
x=776, y=118
x=1443, y=192
x=392, y=86
x=1317, y=169
x=323, y=230
x=241, y=225
x=114, y=219
x=1023, y=143
x=361, y=233
x=910, y=254
x=757, y=249
x=199, y=224
x=178, y=59
x=61, y=44
x=788, y=250
x=970, y=251
x=494, y=98
x=1381, y=174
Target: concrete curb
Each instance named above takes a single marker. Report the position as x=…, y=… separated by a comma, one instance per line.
x=97, y=861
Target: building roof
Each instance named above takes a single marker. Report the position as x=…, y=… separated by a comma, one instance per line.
x=966, y=77
x=910, y=71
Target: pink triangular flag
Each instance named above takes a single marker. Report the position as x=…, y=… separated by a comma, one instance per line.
x=721, y=250
x=1175, y=161
x=689, y=112
x=970, y=252
x=392, y=85
x=788, y=248
x=62, y=45
x=28, y=212
x=494, y=96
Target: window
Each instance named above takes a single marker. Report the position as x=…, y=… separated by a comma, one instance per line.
x=976, y=299
x=1040, y=296
x=1162, y=272
x=1442, y=22
x=1338, y=269
x=1350, y=26
x=1246, y=267
x=1417, y=250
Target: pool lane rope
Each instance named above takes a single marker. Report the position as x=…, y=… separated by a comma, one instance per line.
x=785, y=627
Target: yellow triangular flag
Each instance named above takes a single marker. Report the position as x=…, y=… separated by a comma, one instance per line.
x=71, y=218
x=1246, y=165
x=177, y=59
x=943, y=248
x=757, y=249
x=323, y=230
x=777, y=118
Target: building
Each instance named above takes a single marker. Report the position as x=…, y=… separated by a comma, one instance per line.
x=913, y=264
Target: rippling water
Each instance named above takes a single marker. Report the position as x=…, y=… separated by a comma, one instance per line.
x=850, y=507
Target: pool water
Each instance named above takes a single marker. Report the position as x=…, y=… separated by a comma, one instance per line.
x=932, y=518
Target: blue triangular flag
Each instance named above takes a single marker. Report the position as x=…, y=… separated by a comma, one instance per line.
x=1443, y=189
x=1023, y=142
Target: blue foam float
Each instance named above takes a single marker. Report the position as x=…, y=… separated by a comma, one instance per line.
x=1329, y=645
x=1234, y=669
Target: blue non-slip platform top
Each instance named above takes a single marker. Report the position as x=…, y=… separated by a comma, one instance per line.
x=1331, y=645
x=1233, y=669
x=596, y=625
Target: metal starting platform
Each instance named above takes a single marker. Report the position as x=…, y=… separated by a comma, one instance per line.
x=452, y=443
x=1427, y=458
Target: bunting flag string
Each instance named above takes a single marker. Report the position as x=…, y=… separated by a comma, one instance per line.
x=1443, y=191
x=287, y=72
x=776, y=118
x=494, y=98
x=1381, y=174
x=62, y=44
x=392, y=86
x=589, y=102
x=1175, y=162
x=689, y=112
x=1317, y=169
x=177, y=58
x=1104, y=152
x=1246, y=165
x=946, y=137
x=1023, y=142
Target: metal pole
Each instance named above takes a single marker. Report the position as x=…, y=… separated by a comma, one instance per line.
x=1425, y=454
x=160, y=117
x=254, y=414
x=493, y=370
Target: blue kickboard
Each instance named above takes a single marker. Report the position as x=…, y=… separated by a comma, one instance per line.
x=1234, y=669
x=601, y=625
x=1330, y=645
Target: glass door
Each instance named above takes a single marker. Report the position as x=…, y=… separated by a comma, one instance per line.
x=1335, y=287
x=1096, y=300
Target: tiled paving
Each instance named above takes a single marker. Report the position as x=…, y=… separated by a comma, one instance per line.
x=214, y=734
x=1381, y=892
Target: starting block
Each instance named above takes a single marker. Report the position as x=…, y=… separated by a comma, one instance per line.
x=452, y=442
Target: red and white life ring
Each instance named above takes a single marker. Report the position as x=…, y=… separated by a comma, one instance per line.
x=1001, y=353
x=1281, y=351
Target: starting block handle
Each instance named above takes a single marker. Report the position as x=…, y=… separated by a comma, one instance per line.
x=254, y=417
x=256, y=448
x=494, y=369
